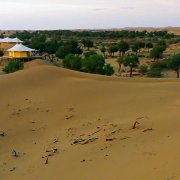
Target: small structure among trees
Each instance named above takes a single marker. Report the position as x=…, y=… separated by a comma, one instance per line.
x=7, y=42
x=20, y=51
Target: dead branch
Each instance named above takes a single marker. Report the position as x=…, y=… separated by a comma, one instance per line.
x=135, y=124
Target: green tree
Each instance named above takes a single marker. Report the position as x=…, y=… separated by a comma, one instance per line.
x=120, y=62
x=132, y=61
x=87, y=43
x=69, y=47
x=162, y=45
x=174, y=63
x=137, y=46
x=149, y=45
x=156, y=53
x=103, y=50
x=73, y=62
x=51, y=47
x=123, y=46
x=113, y=49
x=94, y=64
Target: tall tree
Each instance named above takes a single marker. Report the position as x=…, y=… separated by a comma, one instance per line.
x=103, y=50
x=88, y=43
x=123, y=46
x=113, y=49
x=132, y=61
x=174, y=63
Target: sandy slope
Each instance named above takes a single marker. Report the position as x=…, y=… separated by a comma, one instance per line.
x=91, y=116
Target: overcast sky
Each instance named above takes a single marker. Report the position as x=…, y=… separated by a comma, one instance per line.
x=74, y=14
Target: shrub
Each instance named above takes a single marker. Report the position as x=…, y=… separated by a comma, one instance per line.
x=154, y=73
x=89, y=53
x=13, y=66
x=108, y=70
x=1, y=53
x=174, y=63
x=72, y=62
x=94, y=64
x=160, y=65
x=143, y=69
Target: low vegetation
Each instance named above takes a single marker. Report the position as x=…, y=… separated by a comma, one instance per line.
x=91, y=64
x=13, y=66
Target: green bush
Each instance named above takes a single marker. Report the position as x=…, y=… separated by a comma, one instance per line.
x=143, y=69
x=1, y=53
x=89, y=53
x=108, y=70
x=73, y=62
x=160, y=65
x=155, y=73
x=13, y=66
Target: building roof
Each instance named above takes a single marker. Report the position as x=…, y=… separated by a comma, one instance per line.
x=21, y=48
x=10, y=40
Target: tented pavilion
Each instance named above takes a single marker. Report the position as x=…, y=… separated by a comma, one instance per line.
x=20, y=51
x=7, y=43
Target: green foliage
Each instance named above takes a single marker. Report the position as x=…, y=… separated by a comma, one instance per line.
x=103, y=49
x=156, y=53
x=159, y=65
x=143, y=69
x=94, y=64
x=69, y=47
x=108, y=70
x=38, y=43
x=174, y=63
x=149, y=45
x=1, y=53
x=87, y=43
x=132, y=61
x=155, y=73
x=73, y=62
x=123, y=46
x=136, y=46
x=89, y=53
x=51, y=47
x=13, y=66
x=113, y=49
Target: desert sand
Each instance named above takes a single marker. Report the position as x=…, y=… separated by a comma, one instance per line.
x=69, y=125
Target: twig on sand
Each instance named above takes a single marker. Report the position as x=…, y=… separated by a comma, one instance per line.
x=69, y=117
x=14, y=153
x=149, y=129
x=47, y=161
x=110, y=139
x=84, y=141
x=55, y=140
x=2, y=133
x=124, y=138
x=13, y=169
x=135, y=125
x=89, y=141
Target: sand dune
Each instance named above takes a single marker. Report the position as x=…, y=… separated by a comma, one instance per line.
x=81, y=126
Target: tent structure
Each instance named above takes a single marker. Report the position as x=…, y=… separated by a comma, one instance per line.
x=7, y=42
x=10, y=40
x=20, y=51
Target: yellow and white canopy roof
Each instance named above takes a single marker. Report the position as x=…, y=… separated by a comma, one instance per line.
x=20, y=48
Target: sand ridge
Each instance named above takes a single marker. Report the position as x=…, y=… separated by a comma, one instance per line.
x=70, y=125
